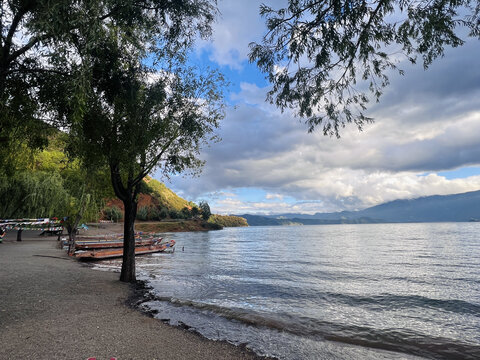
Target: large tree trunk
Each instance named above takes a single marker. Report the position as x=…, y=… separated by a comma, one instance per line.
x=128, y=264
x=128, y=195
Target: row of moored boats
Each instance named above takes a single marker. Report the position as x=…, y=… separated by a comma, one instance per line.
x=111, y=246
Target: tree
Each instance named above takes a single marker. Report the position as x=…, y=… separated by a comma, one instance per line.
x=113, y=213
x=51, y=185
x=205, y=210
x=76, y=209
x=315, y=53
x=137, y=126
x=32, y=195
x=135, y=120
x=194, y=212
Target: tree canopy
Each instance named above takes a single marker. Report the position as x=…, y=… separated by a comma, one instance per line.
x=205, y=210
x=48, y=184
x=327, y=58
x=43, y=44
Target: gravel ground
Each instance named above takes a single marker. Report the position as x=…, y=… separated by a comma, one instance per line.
x=53, y=307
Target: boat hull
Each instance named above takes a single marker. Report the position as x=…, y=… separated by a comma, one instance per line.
x=86, y=245
x=99, y=254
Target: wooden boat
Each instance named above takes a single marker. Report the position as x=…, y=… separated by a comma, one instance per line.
x=91, y=244
x=112, y=236
x=98, y=254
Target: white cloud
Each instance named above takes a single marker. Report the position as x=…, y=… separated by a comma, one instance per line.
x=274, y=196
x=352, y=191
x=427, y=121
x=239, y=24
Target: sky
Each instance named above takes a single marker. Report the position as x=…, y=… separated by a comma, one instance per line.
x=425, y=139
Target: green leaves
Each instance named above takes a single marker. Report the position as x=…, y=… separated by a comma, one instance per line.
x=327, y=59
x=204, y=210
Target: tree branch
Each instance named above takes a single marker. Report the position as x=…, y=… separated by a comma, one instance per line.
x=38, y=70
x=13, y=27
x=367, y=26
x=33, y=41
x=156, y=159
x=294, y=15
x=118, y=187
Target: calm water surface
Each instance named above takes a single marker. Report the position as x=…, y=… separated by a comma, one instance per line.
x=326, y=292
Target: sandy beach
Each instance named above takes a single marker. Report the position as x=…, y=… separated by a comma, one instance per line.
x=53, y=307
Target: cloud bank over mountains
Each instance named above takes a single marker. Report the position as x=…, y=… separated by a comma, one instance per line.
x=426, y=122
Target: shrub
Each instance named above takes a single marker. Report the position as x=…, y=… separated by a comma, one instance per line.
x=163, y=214
x=195, y=211
x=173, y=214
x=113, y=213
x=142, y=213
x=186, y=213
x=153, y=214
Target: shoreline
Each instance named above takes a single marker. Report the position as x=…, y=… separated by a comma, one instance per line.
x=140, y=293
x=53, y=307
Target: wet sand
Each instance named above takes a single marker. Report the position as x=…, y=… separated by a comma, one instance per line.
x=53, y=307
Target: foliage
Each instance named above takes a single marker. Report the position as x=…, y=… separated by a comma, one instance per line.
x=205, y=210
x=175, y=226
x=113, y=213
x=47, y=184
x=154, y=214
x=212, y=226
x=194, y=211
x=142, y=213
x=31, y=33
x=32, y=195
x=227, y=220
x=163, y=214
x=315, y=52
x=173, y=214
x=186, y=213
x=42, y=44
x=145, y=213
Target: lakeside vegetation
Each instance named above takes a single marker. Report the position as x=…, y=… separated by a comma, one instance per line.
x=228, y=220
x=47, y=183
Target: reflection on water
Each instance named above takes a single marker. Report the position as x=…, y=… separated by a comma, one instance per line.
x=337, y=291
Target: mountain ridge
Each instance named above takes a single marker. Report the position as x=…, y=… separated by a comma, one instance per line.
x=461, y=207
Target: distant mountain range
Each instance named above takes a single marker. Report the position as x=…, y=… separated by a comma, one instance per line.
x=439, y=208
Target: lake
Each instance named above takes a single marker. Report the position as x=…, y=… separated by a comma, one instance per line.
x=373, y=291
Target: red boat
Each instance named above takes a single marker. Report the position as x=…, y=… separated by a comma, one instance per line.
x=85, y=245
x=106, y=253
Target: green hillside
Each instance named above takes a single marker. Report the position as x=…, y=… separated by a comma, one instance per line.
x=166, y=197
x=46, y=183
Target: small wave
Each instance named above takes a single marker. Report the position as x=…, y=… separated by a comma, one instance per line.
x=399, y=340
x=390, y=301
